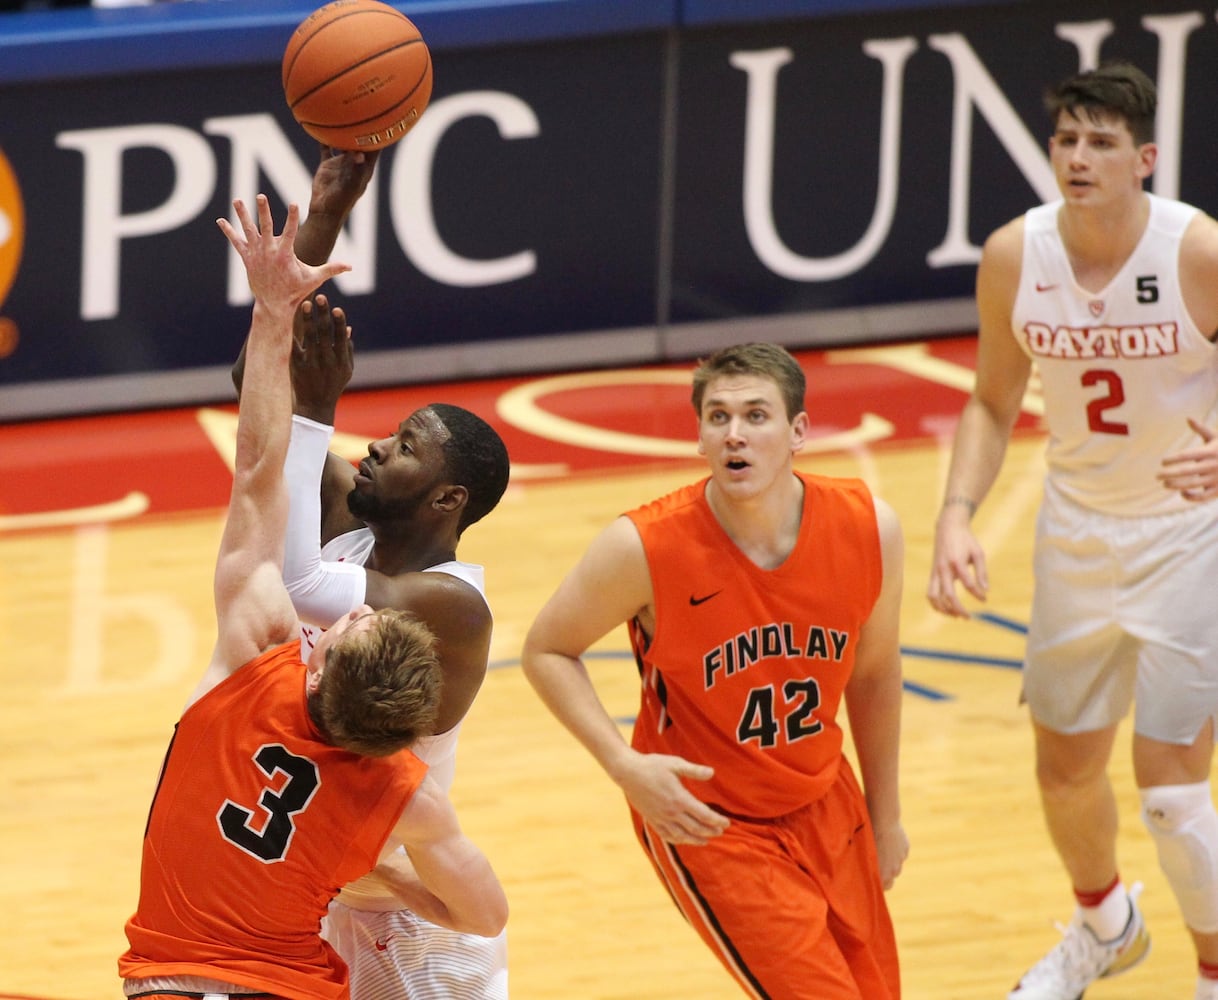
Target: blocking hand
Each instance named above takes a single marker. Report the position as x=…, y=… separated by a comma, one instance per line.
x=323, y=358
x=278, y=279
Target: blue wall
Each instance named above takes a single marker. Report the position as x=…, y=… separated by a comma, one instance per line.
x=595, y=182
x=200, y=33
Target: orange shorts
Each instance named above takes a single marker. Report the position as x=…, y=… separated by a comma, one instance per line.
x=793, y=906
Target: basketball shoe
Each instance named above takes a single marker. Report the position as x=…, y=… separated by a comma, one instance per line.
x=1080, y=958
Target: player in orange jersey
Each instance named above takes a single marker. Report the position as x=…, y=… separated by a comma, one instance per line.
x=285, y=780
x=757, y=599
x=390, y=536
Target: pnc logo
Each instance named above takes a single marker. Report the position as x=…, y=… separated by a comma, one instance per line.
x=12, y=239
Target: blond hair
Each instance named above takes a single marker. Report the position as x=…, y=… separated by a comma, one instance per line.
x=380, y=689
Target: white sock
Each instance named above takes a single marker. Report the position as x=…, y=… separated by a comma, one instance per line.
x=1111, y=917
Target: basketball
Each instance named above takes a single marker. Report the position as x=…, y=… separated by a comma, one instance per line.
x=357, y=74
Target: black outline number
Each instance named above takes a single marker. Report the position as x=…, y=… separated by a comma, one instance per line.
x=270, y=843
x=758, y=721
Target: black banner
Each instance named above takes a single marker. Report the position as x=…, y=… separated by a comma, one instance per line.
x=612, y=198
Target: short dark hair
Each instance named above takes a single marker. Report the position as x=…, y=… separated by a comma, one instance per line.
x=476, y=458
x=764, y=360
x=1115, y=88
x=380, y=689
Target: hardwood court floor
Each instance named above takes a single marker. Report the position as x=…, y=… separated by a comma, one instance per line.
x=108, y=530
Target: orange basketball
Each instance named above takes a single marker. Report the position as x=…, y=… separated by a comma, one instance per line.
x=357, y=74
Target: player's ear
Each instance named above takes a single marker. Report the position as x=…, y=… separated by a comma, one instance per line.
x=799, y=430
x=1148, y=156
x=313, y=671
x=451, y=499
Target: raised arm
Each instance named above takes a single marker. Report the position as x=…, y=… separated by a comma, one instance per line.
x=253, y=611
x=338, y=183
x=317, y=480
x=323, y=361
x=318, y=484
x=321, y=366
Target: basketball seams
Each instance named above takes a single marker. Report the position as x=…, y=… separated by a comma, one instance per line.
x=316, y=32
x=394, y=20
x=364, y=121
x=364, y=62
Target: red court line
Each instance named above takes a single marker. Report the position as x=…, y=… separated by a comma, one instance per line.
x=57, y=465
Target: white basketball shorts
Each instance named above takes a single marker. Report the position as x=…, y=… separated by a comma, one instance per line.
x=1123, y=610
x=396, y=955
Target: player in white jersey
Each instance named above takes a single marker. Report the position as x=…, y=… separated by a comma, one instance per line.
x=1112, y=295
x=390, y=531
x=391, y=952
x=406, y=493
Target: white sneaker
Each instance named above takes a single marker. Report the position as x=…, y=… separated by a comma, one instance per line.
x=1207, y=989
x=1080, y=958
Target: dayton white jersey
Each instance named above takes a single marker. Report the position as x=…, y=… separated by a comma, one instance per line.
x=354, y=547
x=1121, y=368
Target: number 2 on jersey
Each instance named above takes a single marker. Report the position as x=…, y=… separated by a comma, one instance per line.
x=1114, y=396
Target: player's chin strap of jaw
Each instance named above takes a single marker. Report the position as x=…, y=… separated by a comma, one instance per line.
x=321, y=591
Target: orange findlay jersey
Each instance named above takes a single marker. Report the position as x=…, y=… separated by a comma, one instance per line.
x=255, y=824
x=747, y=666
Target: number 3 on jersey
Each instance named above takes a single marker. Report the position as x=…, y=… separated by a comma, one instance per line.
x=1114, y=395
x=268, y=841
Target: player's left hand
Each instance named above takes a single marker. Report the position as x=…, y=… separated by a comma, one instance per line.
x=1194, y=473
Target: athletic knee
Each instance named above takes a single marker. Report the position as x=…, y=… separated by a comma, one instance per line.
x=1062, y=779
x=1184, y=825
x=1072, y=763
x=1170, y=808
